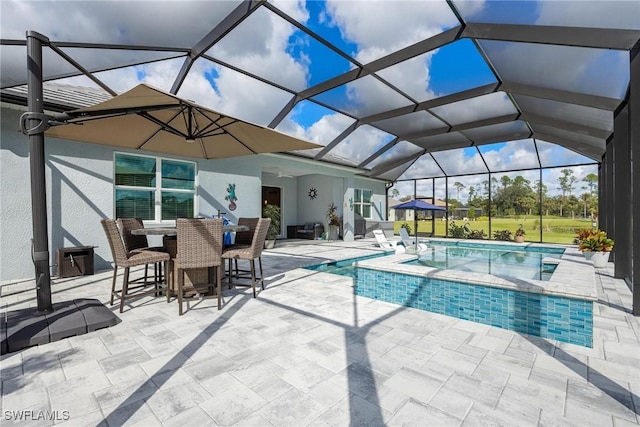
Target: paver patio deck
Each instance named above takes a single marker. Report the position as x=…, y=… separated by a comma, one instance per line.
x=307, y=351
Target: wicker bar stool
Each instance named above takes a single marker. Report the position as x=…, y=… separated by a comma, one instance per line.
x=199, y=244
x=250, y=253
x=133, y=242
x=125, y=259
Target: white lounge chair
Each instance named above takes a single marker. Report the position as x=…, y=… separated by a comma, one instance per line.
x=410, y=242
x=389, y=245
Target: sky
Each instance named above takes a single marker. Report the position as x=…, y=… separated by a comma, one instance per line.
x=274, y=49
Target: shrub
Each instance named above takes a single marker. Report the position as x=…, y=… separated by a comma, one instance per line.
x=476, y=234
x=407, y=226
x=504, y=235
x=456, y=231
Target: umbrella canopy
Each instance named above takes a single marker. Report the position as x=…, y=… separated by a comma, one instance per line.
x=419, y=205
x=150, y=119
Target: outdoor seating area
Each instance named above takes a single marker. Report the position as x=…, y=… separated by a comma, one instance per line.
x=309, y=352
x=309, y=230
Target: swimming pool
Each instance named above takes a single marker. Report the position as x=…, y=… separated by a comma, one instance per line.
x=495, y=259
x=343, y=267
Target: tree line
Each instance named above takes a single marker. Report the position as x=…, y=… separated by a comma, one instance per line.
x=519, y=196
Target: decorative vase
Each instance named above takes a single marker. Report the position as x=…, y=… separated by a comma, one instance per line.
x=599, y=259
x=333, y=232
x=519, y=239
x=269, y=244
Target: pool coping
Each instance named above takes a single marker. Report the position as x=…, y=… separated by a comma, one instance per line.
x=574, y=276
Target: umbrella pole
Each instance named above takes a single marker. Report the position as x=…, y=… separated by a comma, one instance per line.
x=36, y=123
x=415, y=225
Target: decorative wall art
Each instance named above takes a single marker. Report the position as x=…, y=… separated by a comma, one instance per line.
x=231, y=196
x=313, y=193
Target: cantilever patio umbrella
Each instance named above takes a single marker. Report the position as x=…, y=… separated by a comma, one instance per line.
x=147, y=118
x=142, y=118
x=418, y=205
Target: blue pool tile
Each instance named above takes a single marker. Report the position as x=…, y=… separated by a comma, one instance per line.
x=548, y=316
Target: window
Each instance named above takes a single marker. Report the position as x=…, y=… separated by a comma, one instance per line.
x=362, y=202
x=154, y=189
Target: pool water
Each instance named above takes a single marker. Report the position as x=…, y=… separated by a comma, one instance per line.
x=343, y=267
x=498, y=260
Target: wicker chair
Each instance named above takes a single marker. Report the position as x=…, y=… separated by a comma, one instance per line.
x=250, y=253
x=126, y=259
x=199, y=246
x=134, y=243
x=245, y=237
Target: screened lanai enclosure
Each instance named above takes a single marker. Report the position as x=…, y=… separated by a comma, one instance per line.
x=524, y=111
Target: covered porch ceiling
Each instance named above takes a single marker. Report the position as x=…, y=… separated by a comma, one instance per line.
x=387, y=88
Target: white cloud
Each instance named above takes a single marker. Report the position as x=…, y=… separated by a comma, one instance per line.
x=322, y=132
x=379, y=29
x=481, y=107
x=360, y=144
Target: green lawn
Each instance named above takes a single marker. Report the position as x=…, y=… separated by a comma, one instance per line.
x=554, y=229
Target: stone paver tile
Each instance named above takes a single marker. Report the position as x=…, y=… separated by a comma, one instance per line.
x=137, y=413
x=209, y=368
x=91, y=419
x=124, y=358
x=573, y=370
x=171, y=402
x=414, y=413
x=258, y=373
x=233, y=405
x=194, y=416
x=11, y=365
x=220, y=383
x=415, y=384
x=76, y=394
x=451, y=402
x=352, y=410
x=256, y=420
x=615, y=402
x=621, y=422
x=387, y=398
x=127, y=373
x=305, y=376
x=272, y=389
x=407, y=357
x=484, y=392
x=456, y=361
x=586, y=415
x=328, y=392
x=294, y=408
x=487, y=342
x=619, y=371
x=124, y=394
x=481, y=415
x=509, y=364
x=37, y=415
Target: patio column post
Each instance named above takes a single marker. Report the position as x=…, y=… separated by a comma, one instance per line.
x=634, y=142
x=36, y=123
x=622, y=175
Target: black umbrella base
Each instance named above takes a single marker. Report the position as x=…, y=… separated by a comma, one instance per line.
x=28, y=327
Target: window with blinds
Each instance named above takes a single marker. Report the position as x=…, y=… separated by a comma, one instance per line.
x=362, y=202
x=154, y=189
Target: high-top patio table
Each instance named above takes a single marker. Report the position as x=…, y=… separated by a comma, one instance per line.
x=199, y=276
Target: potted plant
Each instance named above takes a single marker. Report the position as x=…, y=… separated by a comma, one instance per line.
x=273, y=212
x=519, y=235
x=596, y=247
x=333, y=220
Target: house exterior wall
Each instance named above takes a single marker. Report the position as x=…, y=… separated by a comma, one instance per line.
x=80, y=193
